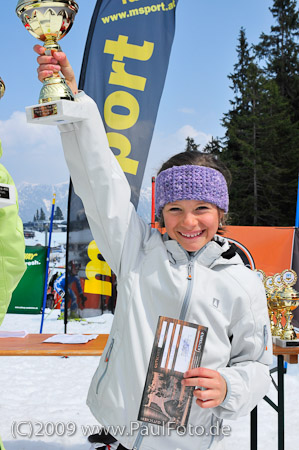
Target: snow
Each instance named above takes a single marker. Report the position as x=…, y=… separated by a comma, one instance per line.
x=50, y=393
x=57, y=239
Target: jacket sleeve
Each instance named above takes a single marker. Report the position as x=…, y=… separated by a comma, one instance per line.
x=12, y=248
x=247, y=375
x=59, y=284
x=102, y=186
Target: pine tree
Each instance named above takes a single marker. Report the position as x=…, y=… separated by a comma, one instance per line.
x=280, y=50
x=58, y=215
x=241, y=151
x=42, y=215
x=213, y=147
x=279, y=157
x=260, y=138
x=191, y=146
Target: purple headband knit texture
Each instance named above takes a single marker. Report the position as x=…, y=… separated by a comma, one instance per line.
x=191, y=182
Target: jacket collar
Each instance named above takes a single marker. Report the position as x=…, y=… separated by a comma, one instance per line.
x=208, y=256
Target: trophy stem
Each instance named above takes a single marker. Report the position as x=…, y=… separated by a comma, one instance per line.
x=278, y=327
x=55, y=87
x=288, y=332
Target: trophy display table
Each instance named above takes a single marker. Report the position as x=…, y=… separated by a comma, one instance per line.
x=33, y=345
x=284, y=354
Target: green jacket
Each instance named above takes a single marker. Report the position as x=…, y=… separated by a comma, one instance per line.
x=12, y=247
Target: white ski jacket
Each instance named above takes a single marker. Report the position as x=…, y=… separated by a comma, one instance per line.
x=152, y=271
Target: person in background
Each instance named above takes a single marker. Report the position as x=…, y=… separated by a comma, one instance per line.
x=12, y=246
x=12, y=243
x=59, y=286
x=12, y=249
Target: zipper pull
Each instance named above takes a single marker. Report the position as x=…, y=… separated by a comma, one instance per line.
x=189, y=277
x=109, y=351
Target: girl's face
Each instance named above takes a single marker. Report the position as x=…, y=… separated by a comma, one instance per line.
x=192, y=223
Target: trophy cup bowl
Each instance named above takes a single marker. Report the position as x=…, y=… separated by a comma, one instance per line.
x=2, y=88
x=49, y=21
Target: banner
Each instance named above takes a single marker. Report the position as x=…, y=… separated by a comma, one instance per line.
x=295, y=266
x=124, y=69
x=27, y=298
x=266, y=248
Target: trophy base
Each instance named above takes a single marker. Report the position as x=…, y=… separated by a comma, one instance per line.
x=55, y=113
x=285, y=342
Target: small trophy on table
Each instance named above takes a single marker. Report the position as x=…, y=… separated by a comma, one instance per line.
x=49, y=21
x=289, y=298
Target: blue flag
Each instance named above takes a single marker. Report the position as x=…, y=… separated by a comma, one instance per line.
x=124, y=69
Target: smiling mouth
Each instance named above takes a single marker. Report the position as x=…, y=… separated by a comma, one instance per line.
x=190, y=236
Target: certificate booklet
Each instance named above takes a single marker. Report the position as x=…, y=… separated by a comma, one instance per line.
x=178, y=346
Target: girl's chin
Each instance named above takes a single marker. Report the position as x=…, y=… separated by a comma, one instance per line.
x=192, y=246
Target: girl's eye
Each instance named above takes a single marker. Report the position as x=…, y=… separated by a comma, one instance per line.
x=174, y=208
x=201, y=208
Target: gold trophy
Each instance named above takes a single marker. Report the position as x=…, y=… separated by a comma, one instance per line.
x=2, y=88
x=49, y=21
x=290, y=299
x=274, y=306
x=261, y=274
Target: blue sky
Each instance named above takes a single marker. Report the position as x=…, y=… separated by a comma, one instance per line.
x=195, y=97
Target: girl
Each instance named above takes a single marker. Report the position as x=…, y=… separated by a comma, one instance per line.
x=190, y=273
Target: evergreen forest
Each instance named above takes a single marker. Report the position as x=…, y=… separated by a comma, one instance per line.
x=261, y=142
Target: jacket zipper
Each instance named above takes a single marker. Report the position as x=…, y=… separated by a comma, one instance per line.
x=139, y=438
x=190, y=278
x=107, y=357
x=185, y=305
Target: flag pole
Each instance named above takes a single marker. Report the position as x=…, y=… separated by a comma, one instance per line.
x=47, y=265
x=153, y=202
x=297, y=209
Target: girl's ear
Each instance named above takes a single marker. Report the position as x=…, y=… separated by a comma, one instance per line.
x=220, y=215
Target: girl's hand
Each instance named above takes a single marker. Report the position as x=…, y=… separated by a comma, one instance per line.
x=214, y=384
x=48, y=65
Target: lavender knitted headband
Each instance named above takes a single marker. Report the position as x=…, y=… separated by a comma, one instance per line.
x=191, y=182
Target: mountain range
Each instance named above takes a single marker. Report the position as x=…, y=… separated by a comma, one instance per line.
x=33, y=197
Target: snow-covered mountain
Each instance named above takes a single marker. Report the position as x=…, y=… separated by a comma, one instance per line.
x=145, y=204
x=33, y=197
x=36, y=196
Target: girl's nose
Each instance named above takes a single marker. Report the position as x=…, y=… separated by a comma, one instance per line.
x=189, y=220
